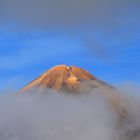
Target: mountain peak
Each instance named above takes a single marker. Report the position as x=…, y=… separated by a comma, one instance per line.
x=61, y=76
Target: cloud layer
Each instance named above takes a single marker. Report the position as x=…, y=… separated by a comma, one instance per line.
x=47, y=115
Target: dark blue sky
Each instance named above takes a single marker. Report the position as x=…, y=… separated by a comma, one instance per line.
x=106, y=43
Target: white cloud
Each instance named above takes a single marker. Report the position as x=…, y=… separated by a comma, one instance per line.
x=62, y=116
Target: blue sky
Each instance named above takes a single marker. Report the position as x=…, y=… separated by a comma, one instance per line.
x=107, y=47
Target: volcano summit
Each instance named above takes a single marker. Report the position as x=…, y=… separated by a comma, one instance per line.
x=66, y=78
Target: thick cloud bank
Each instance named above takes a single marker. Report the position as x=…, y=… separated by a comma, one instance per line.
x=61, y=116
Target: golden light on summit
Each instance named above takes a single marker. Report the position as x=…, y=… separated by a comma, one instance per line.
x=61, y=77
x=72, y=80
